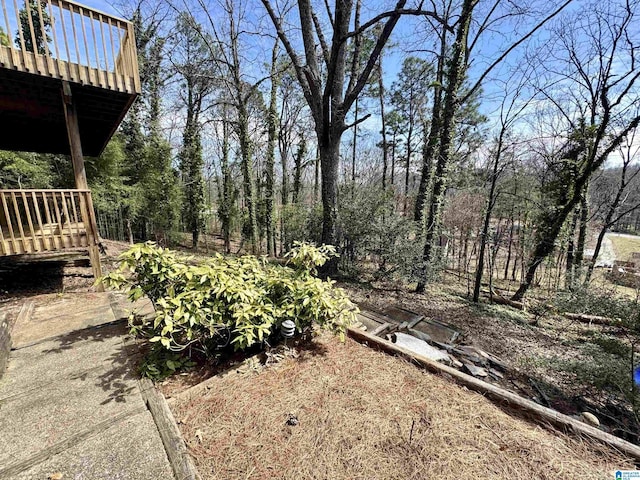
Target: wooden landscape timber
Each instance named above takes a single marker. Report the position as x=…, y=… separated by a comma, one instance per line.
x=542, y=415
x=179, y=458
x=495, y=297
x=6, y=326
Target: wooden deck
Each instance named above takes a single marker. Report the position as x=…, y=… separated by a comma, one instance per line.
x=68, y=41
x=34, y=221
x=62, y=41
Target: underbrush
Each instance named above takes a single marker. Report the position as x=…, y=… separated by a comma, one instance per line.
x=609, y=355
x=225, y=302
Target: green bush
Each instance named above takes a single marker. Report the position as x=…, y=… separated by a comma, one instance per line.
x=229, y=300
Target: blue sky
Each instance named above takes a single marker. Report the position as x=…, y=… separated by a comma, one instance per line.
x=409, y=41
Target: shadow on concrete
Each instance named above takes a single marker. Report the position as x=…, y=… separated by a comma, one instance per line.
x=120, y=369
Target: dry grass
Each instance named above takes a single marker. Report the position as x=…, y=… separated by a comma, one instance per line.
x=625, y=245
x=365, y=415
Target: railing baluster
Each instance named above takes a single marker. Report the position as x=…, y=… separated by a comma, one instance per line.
x=40, y=234
x=66, y=42
x=75, y=38
x=58, y=231
x=52, y=20
x=9, y=33
x=43, y=30
x=50, y=222
x=122, y=56
x=134, y=59
x=20, y=35
x=86, y=45
x=104, y=51
x=76, y=223
x=16, y=210
x=113, y=55
x=27, y=212
x=95, y=48
x=34, y=43
x=68, y=218
x=9, y=223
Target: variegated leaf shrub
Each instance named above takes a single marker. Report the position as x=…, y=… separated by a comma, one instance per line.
x=226, y=299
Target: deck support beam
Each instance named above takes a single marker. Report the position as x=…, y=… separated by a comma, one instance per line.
x=77, y=158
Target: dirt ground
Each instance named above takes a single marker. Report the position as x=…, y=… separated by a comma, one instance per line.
x=553, y=354
x=344, y=411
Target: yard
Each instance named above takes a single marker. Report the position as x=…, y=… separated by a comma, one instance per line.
x=625, y=245
x=344, y=411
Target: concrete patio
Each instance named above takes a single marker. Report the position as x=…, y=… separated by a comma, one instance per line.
x=70, y=401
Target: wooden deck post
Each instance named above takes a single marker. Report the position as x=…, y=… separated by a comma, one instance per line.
x=73, y=130
x=77, y=158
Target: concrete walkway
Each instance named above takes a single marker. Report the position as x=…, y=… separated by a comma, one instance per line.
x=70, y=403
x=607, y=255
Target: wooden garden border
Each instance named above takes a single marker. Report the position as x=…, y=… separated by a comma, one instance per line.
x=531, y=409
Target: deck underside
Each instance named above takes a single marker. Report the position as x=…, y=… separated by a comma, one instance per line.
x=32, y=115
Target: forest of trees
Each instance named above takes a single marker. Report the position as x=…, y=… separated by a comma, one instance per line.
x=489, y=137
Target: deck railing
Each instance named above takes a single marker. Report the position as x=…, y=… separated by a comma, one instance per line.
x=33, y=221
x=66, y=40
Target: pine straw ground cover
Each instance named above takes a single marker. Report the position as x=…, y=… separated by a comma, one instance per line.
x=365, y=415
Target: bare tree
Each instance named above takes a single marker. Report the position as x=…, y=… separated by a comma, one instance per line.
x=594, y=87
x=509, y=112
x=620, y=206
x=452, y=100
x=331, y=96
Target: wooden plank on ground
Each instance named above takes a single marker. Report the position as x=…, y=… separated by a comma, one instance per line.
x=537, y=412
x=6, y=327
x=403, y=315
x=179, y=458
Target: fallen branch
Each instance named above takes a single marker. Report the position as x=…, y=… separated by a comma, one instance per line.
x=535, y=411
x=584, y=318
x=497, y=298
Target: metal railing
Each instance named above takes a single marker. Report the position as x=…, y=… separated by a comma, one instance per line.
x=66, y=40
x=33, y=221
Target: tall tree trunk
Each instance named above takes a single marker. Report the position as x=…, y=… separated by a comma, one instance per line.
x=271, y=155
x=247, y=174
x=329, y=163
x=298, y=169
x=385, y=147
x=582, y=237
x=226, y=191
x=510, y=246
x=571, y=247
x=407, y=168
x=354, y=148
x=455, y=77
x=393, y=158
x=491, y=201
x=191, y=164
x=430, y=143
x=316, y=177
